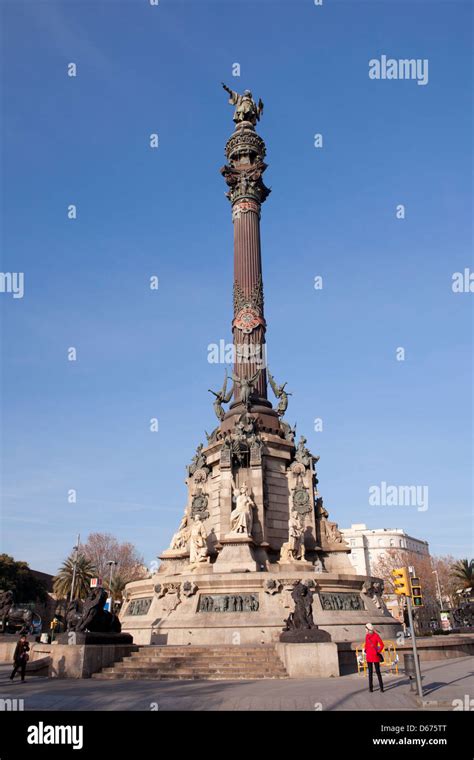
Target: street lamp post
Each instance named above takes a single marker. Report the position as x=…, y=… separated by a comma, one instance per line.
x=111, y=563
x=440, y=599
x=74, y=565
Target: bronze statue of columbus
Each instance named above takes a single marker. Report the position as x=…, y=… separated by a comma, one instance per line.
x=246, y=107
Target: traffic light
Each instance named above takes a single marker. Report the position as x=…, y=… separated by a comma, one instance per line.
x=416, y=595
x=401, y=581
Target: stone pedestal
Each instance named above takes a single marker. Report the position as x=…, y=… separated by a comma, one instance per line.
x=237, y=555
x=174, y=554
x=305, y=636
x=309, y=660
x=97, y=639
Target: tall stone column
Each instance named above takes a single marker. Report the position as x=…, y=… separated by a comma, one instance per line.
x=245, y=151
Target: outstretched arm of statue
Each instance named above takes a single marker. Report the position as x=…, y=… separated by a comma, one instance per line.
x=234, y=96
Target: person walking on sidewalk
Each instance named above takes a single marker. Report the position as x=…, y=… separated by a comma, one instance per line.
x=20, y=658
x=373, y=654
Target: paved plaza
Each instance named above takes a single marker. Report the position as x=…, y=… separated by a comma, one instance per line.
x=443, y=682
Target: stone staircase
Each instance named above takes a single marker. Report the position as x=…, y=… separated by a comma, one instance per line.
x=196, y=663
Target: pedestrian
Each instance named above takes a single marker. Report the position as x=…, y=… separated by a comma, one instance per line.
x=373, y=654
x=20, y=657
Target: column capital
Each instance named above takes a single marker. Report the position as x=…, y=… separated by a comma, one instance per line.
x=245, y=151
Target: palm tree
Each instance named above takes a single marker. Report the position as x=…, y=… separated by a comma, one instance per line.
x=62, y=582
x=118, y=585
x=463, y=570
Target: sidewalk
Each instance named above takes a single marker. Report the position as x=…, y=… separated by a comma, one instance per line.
x=443, y=681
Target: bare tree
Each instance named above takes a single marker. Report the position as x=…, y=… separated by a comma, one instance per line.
x=100, y=548
x=395, y=558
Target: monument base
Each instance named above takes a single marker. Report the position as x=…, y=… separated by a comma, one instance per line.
x=311, y=660
x=237, y=555
x=97, y=639
x=245, y=607
x=305, y=636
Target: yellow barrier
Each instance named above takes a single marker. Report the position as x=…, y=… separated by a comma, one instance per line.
x=390, y=658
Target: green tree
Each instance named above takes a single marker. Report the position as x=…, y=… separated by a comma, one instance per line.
x=118, y=585
x=463, y=571
x=16, y=576
x=62, y=582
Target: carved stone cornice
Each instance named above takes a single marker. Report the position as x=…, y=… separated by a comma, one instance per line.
x=244, y=143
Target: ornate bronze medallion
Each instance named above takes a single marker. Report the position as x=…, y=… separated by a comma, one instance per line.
x=199, y=506
x=301, y=501
x=247, y=319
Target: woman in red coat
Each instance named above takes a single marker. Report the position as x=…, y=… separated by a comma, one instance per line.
x=373, y=654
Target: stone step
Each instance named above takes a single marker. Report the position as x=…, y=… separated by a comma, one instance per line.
x=243, y=660
x=198, y=663
x=203, y=667
x=203, y=648
x=186, y=651
x=132, y=676
x=235, y=654
x=224, y=662
x=203, y=664
x=248, y=672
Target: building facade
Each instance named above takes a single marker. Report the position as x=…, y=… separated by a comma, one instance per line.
x=369, y=545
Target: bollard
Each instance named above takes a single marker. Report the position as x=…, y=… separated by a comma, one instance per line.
x=410, y=669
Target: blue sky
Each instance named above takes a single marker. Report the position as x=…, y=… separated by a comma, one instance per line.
x=84, y=425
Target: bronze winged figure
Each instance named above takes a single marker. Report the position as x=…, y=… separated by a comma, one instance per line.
x=222, y=397
x=246, y=386
x=280, y=394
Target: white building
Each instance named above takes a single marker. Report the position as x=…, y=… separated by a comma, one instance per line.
x=367, y=546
